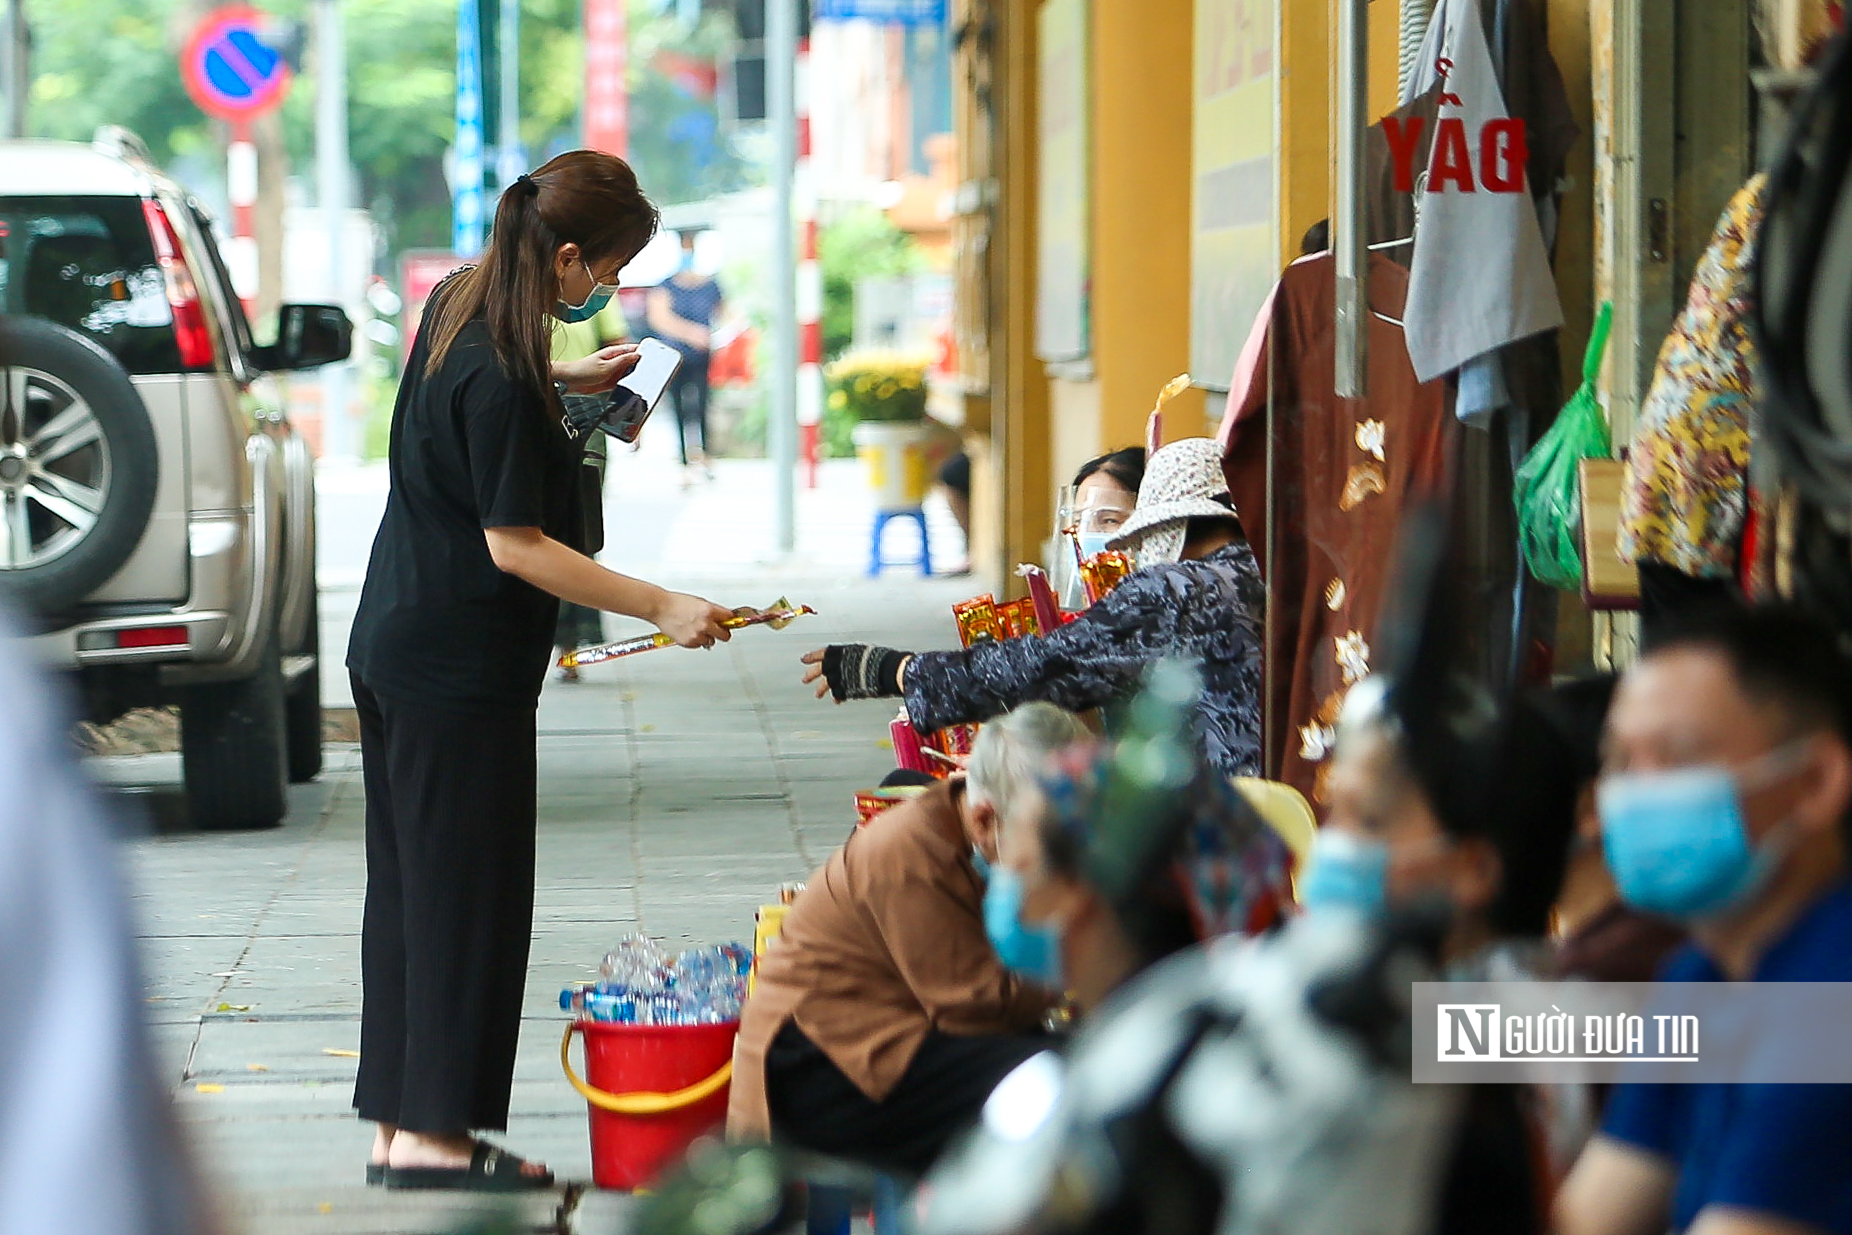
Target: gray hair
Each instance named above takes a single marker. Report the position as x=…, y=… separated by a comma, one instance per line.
x=1011, y=751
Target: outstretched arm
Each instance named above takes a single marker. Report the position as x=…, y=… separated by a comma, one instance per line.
x=529, y=554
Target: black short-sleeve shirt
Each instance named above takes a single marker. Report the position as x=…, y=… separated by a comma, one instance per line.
x=471, y=448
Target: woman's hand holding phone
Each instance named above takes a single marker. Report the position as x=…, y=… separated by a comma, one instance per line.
x=599, y=372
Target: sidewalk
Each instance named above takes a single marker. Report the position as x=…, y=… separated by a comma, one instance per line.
x=678, y=789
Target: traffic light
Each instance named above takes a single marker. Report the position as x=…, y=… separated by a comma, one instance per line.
x=745, y=67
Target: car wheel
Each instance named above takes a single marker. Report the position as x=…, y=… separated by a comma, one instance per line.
x=302, y=707
x=232, y=740
x=78, y=465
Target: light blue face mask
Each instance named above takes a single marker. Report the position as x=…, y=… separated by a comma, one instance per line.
x=1677, y=842
x=1347, y=873
x=1092, y=544
x=1031, y=951
x=980, y=863
x=594, y=303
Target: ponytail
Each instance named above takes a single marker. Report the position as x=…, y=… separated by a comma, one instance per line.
x=584, y=197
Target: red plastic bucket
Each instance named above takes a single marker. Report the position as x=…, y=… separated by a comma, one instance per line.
x=652, y=1091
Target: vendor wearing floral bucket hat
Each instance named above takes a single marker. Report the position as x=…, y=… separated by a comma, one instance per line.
x=1197, y=596
x=1183, y=482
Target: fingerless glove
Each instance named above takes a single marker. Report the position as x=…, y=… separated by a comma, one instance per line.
x=862, y=671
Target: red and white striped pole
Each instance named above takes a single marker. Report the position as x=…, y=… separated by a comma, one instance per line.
x=241, y=191
x=809, y=282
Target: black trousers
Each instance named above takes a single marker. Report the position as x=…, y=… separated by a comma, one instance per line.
x=449, y=911
x=815, y=1107
x=690, y=388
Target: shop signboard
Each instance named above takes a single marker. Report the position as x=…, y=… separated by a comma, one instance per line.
x=1234, y=249
x=885, y=12
x=468, y=204
x=1064, y=279
x=607, y=68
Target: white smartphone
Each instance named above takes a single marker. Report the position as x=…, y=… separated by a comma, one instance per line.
x=637, y=395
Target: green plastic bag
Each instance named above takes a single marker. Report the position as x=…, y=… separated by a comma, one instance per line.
x=1548, y=485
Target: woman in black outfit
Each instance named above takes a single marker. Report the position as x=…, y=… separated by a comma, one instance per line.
x=481, y=538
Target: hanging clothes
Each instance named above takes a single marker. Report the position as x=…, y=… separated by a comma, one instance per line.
x=1480, y=276
x=1343, y=471
x=1686, y=494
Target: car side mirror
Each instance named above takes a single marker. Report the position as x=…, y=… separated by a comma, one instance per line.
x=308, y=335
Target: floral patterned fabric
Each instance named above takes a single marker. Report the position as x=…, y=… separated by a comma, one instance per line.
x=1206, y=610
x=1687, y=472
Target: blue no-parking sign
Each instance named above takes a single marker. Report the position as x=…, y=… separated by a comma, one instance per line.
x=228, y=67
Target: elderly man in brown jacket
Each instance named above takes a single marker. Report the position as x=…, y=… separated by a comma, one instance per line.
x=882, y=1017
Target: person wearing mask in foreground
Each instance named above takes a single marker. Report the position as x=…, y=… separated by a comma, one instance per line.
x=1197, y=595
x=1057, y=916
x=1599, y=936
x=1401, y=838
x=881, y=1018
x=1724, y=803
x=482, y=538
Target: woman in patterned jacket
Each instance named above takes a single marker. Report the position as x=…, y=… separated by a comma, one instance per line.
x=1197, y=594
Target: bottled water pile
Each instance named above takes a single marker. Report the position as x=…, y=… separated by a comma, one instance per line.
x=640, y=984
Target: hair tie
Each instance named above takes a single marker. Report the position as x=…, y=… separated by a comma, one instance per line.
x=527, y=184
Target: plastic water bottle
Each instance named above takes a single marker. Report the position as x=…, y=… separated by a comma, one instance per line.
x=636, y=961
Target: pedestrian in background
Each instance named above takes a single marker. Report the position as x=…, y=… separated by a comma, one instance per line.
x=682, y=313
x=483, y=535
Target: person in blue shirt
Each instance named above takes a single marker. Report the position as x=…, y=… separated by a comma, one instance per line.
x=1724, y=799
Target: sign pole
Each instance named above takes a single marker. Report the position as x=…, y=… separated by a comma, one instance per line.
x=241, y=189
x=781, y=108
x=809, y=282
x=338, y=436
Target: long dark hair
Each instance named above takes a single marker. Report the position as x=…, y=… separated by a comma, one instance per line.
x=584, y=197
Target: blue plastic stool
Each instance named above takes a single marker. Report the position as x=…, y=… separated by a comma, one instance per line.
x=876, y=562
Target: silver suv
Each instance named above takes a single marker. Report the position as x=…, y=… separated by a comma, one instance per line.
x=157, y=511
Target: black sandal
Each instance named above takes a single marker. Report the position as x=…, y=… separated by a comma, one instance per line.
x=489, y=1170
x=376, y=1174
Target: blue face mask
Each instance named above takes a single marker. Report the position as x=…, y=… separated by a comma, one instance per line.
x=1347, y=873
x=1677, y=842
x=594, y=304
x=1031, y=951
x=980, y=863
x=1092, y=544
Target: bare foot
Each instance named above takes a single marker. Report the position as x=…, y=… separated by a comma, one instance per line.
x=420, y=1149
x=382, y=1143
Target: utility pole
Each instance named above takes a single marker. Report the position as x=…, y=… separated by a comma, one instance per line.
x=781, y=109
x=338, y=432
x=15, y=69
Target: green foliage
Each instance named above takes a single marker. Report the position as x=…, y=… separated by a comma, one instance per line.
x=116, y=62
x=860, y=244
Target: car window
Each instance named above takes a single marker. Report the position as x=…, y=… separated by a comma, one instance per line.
x=88, y=263
x=231, y=309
